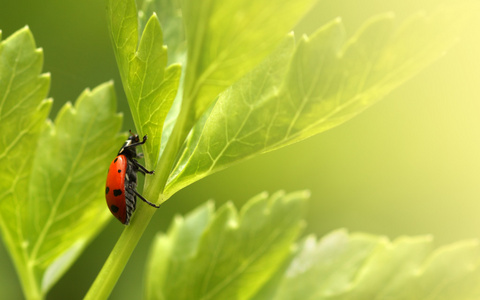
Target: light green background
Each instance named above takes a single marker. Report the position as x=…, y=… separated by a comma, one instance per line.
x=408, y=165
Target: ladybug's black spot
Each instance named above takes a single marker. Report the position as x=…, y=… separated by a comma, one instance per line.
x=107, y=190
x=115, y=160
x=117, y=192
x=119, y=171
x=113, y=208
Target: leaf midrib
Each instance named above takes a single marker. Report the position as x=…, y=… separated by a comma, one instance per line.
x=10, y=82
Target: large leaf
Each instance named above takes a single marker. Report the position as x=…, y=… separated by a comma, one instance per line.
x=225, y=40
x=150, y=86
x=223, y=255
x=53, y=175
x=361, y=266
x=327, y=82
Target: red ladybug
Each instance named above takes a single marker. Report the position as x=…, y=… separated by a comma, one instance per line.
x=121, y=188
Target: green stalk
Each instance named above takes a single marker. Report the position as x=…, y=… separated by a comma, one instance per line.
x=118, y=258
x=29, y=284
x=25, y=271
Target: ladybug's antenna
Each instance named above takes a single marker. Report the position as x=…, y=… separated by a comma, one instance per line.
x=133, y=136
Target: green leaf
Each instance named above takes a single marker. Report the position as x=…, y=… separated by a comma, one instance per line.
x=225, y=40
x=150, y=86
x=361, y=266
x=327, y=82
x=223, y=255
x=53, y=175
x=22, y=114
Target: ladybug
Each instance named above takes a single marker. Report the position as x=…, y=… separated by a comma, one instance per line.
x=121, y=188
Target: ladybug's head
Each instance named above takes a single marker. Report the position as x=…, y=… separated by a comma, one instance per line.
x=133, y=138
x=128, y=147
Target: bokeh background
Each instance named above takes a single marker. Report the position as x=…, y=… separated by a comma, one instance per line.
x=410, y=165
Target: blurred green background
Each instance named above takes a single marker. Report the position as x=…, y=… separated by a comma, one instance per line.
x=409, y=165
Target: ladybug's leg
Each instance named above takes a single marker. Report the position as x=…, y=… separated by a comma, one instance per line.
x=141, y=168
x=137, y=144
x=145, y=200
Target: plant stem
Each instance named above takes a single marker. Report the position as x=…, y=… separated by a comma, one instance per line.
x=25, y=270
x=118, y=258
x=30, y=288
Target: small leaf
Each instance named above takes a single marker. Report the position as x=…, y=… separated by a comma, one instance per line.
x=169, y=13
x=225, y=255
x=53, y=175
x=360, y=266
x=150, y=86
x=324, y=83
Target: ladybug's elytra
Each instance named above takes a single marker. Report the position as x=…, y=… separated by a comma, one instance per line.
x=121, y=188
